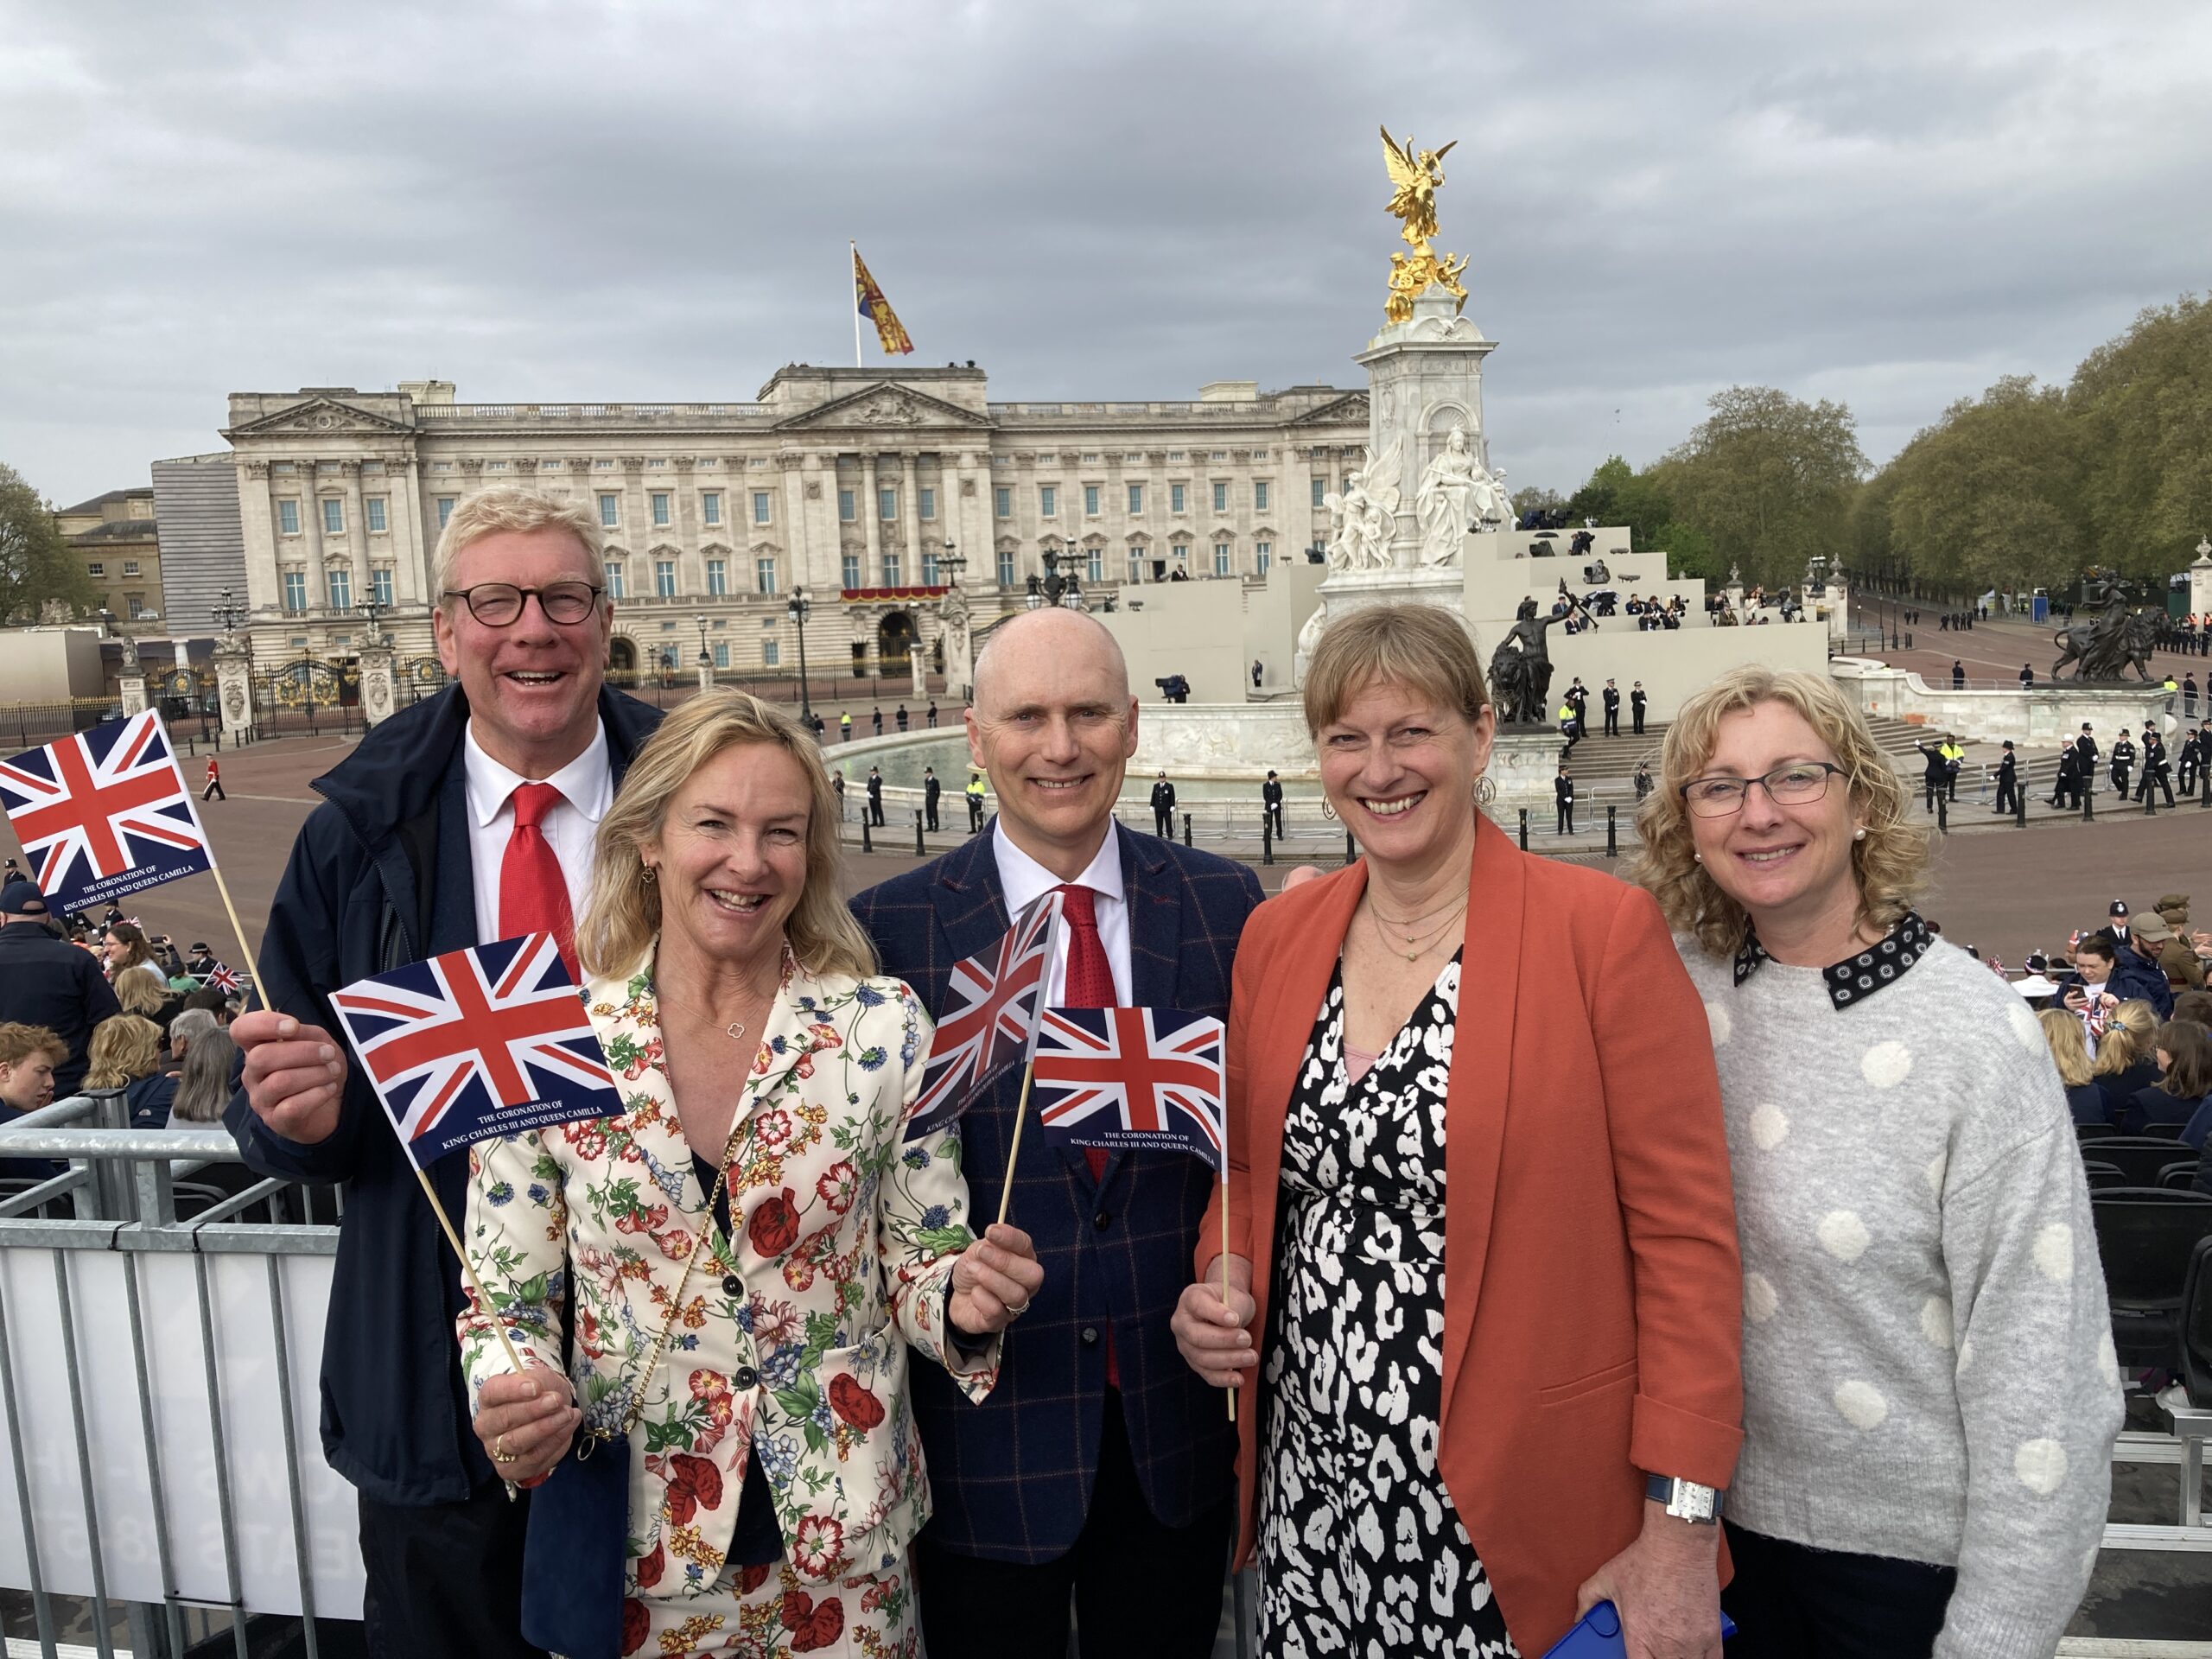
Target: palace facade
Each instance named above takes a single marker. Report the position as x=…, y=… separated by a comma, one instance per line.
x=869, y=490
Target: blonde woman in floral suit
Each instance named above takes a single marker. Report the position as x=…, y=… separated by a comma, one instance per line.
x=736, y=1266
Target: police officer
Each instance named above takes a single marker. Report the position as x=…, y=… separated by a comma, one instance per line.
x=1163, y=807
x=1271, y=801
x=2123, y=762
x=1636, y=702
x=1612, y=699
x=931, y=789
x=974, y=791
x=1563, y=798
x=2008, y=782
x=876, y=798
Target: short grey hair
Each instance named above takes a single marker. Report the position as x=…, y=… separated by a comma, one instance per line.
x=191, y=1026
x=511, y=507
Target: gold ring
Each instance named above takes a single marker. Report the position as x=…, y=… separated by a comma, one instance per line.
x=500, y=1454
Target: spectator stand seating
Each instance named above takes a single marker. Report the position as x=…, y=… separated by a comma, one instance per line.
x=2186, y=1406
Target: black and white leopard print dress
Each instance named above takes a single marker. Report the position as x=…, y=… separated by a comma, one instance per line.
x=1360, y=1552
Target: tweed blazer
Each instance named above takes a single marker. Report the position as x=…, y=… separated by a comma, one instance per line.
x=1012, y=1479
x=1592, y=1288
x=791, y=1340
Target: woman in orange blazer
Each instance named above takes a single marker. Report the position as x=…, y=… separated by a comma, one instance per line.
x=1463, y=1421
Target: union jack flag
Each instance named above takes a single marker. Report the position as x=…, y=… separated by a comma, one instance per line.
x=104, y=813
x=226, y=979
x=990, y=1018
x=478, y=1043
x=1133, y=1077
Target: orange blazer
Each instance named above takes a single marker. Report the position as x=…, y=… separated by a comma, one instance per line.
x=1592, y=1289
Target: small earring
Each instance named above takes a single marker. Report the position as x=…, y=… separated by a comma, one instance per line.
x=1699, y=857
x=652, y=874
x=1858, y=833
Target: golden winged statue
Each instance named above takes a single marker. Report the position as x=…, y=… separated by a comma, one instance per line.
x=1416, y=175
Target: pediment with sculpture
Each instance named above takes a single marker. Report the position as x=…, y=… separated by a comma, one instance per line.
x=884, y=407
x=319, y=416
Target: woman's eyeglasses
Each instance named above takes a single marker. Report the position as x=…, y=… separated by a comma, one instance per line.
x=1799, y=783
x=498, y=604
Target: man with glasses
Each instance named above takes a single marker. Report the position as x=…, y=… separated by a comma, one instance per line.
x=465, y=818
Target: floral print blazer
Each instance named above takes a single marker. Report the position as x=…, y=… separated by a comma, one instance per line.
x=791, y=1344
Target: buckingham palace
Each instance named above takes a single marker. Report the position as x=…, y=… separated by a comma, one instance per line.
x=871, y=490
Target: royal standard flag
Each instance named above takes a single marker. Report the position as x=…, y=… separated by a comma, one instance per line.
x=877, y=310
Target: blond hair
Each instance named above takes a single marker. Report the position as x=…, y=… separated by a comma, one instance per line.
x=2069, y=1050
x=622, y=915
x=1417, y=647
x=511, y=507
x=2131, y=1033
x=124, y=1048
x=1889, y=866
x=18, y=1042
x=136, y=993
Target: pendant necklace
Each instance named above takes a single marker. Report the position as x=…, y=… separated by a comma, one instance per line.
x=1423, y=943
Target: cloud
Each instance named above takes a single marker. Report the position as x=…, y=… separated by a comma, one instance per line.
x=1890, y=204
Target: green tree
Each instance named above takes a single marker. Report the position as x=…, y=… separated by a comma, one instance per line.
x=36, y=566
x=2144, y=406
x=1618, y=494
x=1767, y=479
x=1990, y=495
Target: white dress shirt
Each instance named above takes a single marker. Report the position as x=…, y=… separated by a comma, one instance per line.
x=1024, y=880
x=587, y=784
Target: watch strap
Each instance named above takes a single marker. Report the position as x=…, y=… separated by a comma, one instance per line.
x=1686, y=1500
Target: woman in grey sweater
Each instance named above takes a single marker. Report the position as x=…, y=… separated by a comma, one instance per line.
x=1930, y=1392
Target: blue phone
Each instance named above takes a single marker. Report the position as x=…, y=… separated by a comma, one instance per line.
x=1597, y=1635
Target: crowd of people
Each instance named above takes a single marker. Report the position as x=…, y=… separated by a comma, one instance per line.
x=1761, y=1200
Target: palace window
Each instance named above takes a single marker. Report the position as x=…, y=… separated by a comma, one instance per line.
x=287, y=517
x=764, y=576
x=929, y=502
x=850, y=569
x=380, y=584
x=1006, y=569
x=1182, y=552
x=610, y=512
x=717, y=577
x=1321, y=489
x=374, y=506
x=845, y=506
x=710, y=507
x=891, y=571
x=341, y=590
x=296, y=591
x=1221, y=558
x=1047, y=499
x=1002, y=501
x=445, y=510
x=1136, y=564
x=664, y=578
x=1136, y=500
x=136, y=604
x=1174, y=498
x=333, y=515
x=760, y=507
x=95, y=568
x=660, y=507
x=722, y=653
x=131, y=567
x=1258, y=495
x=1090, y=500
x=930, y=574
x=886, y=503
x=1221, y=498
x=614, y=583
x=771, y=654
x=1264, y=554
x=1098, y=565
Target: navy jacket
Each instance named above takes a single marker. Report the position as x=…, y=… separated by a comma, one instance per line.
x=2134, y=976
x=1012, y=1477
x=45, y=982
x=380, y=877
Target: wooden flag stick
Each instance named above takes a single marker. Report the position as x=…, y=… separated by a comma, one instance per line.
x=1225, y=1271
x=1021, y=1117
x=245, y=950
x=468, y=1268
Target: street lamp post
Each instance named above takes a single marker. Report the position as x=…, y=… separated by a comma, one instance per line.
x=800, y=609
x=706, y=658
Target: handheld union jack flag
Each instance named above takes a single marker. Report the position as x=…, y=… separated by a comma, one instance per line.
x=104, y=813
x=1147, y=1078
x=478, y=1043
x=990, y=1018
x=225, y=978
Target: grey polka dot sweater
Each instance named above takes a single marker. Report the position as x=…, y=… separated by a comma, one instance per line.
x=1928, y=1358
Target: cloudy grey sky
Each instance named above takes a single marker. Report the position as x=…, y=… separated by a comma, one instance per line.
x=1891, y=204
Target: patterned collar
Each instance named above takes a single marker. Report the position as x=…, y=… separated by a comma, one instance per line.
x=1855, y=978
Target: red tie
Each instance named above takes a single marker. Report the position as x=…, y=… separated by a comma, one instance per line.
x=1089, y=985
x=533, y=894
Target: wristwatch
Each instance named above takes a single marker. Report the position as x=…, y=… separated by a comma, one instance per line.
x=1685, y=1499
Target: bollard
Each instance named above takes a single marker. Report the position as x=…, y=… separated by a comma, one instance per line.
x=2151, y=802
x=921, y=847
x=1186, y=829
x=1943, y=813
x=2088, y=812
x=2020, y=808
x=2204, y=786
x=1613, y=833
x=867, y=846
x=1525, y=829
x=1350, y=851
x=1267, y=839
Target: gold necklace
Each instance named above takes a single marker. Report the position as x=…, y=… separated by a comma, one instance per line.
x=1425, y=941
x=1408, y=921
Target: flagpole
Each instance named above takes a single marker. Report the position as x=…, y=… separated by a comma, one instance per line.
x=854, y=272
x=238, y=927
x=1021, y=1117
x=468, y=1267
x=1224, y=1269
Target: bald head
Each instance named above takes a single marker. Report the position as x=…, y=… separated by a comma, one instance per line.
x=1067, y=643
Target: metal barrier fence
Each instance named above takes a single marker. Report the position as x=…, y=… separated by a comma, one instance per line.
x=159, y=1351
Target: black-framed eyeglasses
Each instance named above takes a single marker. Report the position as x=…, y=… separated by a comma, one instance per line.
x=1799, y=783
x=498, y=604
